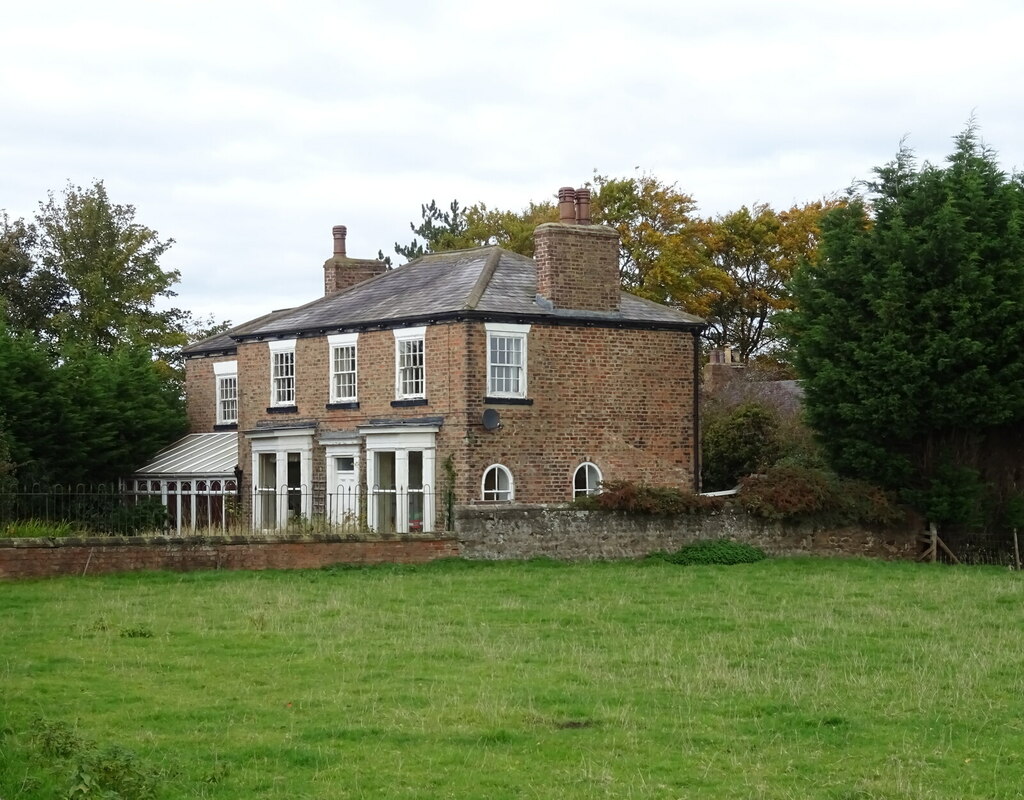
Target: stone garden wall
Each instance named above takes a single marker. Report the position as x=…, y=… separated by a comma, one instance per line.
x=520, y=531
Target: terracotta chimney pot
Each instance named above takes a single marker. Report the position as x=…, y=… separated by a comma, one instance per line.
x=339, y=231
x=567, y=205
x=583, y=207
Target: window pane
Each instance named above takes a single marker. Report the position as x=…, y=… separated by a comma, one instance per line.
x=283, y=375
x=227, y=400
x=416, y=469
x=343, y=368
x=497, y=484
x=586, y=480
x=410, y=368
x=506, y=365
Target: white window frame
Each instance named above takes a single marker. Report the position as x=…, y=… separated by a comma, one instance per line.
x=498, y=469
x=336, y=343
x=403, y=338
x=589, y=490
x=497, y=331
x=225, y=372
x=280, y=349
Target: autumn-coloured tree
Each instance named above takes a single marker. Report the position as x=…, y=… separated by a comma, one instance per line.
x=758, y=249
x=663, y=256
x=732, y=270
x=512, y=230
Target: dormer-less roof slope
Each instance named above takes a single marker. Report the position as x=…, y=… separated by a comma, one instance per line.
x=482, y=283
x=225, y=342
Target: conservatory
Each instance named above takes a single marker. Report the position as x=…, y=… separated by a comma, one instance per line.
x=196, y=479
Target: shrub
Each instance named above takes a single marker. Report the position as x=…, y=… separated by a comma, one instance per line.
x=715, y=551
x=800, y=493
x=870, y=504
x=787, y=493
x=640, y=498
x=737, y=442
x=145, y=516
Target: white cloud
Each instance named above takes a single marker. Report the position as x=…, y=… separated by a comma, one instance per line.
x=246, y=130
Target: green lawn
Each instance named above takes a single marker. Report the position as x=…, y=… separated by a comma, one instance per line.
x=783, y=679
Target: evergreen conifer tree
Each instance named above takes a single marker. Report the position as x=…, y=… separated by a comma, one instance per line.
x=910, y=328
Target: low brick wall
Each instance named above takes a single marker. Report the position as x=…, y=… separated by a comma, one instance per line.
x=521, y=531
x=498, y=531
x=43, y=558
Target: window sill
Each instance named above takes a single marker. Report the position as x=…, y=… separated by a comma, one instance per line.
x=282, y=409
x=348, y=406
x=226, y=426
x=509, y=401
x=419, y=401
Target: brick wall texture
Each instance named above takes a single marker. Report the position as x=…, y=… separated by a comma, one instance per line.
x=577, y=266
x=201, y=392
x=46, y=558
x=619, y=398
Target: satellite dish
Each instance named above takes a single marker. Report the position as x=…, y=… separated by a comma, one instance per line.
x=491, y=420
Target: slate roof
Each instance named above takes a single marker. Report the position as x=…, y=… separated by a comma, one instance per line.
x=483, y=283
x=225, y=342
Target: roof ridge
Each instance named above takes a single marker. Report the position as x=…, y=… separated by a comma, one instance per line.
x=484, y=278
x=448, y=253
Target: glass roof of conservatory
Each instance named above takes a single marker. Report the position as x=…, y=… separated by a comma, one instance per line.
x=198, y=455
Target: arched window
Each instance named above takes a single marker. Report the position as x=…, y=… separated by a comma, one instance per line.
x=497, y=483
x=587, y=480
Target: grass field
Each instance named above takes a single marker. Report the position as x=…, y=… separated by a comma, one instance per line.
x=782, y=679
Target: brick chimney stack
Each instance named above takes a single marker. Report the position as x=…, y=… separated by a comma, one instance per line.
x=577, y=261
x=342, y=272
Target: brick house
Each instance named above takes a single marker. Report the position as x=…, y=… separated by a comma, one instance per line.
x=469, y=376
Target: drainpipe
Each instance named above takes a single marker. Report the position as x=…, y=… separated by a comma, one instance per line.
x=696, y=411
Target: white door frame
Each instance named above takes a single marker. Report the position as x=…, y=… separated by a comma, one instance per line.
x=342, y=500
x=281, y=442
x=401, y=439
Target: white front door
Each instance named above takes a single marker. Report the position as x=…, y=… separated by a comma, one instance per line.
x=343, y=484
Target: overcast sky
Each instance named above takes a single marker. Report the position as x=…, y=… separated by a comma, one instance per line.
x=245, y=130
